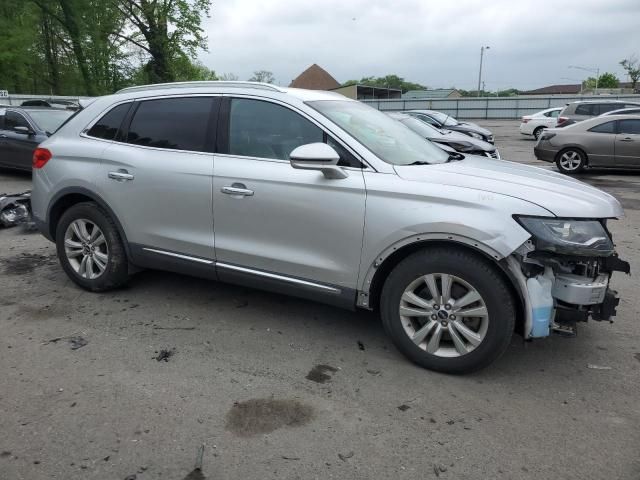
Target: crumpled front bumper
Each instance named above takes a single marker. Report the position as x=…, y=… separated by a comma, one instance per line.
x=555, y=298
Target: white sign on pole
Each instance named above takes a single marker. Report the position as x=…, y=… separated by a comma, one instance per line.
x=4, y=93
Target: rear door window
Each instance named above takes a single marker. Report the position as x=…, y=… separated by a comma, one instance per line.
x=608, y=127
x=585, y=109
x=108, y=126
x=172, y=123
x=630, y=127
x=609, y=107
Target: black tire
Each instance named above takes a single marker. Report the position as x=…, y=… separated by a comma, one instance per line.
x=482, y=276
x=537, y=132
x=115, y=273
x=562, y=162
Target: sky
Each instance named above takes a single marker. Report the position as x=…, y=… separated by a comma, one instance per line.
x=435, y=43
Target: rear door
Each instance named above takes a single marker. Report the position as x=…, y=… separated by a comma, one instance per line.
x=156, y=176
x=18, y=147
x=287, y=228
x=599, y=144
x=628, y=144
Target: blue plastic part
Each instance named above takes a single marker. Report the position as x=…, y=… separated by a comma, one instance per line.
x=541, y=320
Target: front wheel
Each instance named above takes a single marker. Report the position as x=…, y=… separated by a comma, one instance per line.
x=448, y=310
x=571, y=161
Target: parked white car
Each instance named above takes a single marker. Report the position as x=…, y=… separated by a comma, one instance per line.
x=536, y=123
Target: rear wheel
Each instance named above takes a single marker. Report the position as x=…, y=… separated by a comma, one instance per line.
x=537, y=132
x=571, y=160
x=90, y=249
x=448, y=310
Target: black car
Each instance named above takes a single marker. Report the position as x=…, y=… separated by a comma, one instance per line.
x=447, y=122
x=22, y=129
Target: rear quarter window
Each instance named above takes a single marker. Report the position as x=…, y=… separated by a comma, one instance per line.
x=585, y=109
x=108, y=126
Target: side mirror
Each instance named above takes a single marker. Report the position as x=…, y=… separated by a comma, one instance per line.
x=318, y=156
x=23, y=130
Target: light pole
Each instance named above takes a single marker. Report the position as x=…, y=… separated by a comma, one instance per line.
x=595, y=70
x=482, y=49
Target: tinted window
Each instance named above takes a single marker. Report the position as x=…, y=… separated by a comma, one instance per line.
x=174, y=123
x=266, y=130
x=609, y=107
x=107, y=127
x=553, y=113
x=630, y=127
x=346, y=159
x=608, y=127
x=584, y=109
x=2, y=119
x=13, y=120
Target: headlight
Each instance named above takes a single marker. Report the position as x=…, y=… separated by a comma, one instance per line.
x=571, y=237
x=474, y=135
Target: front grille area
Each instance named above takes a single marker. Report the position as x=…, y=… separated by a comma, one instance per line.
x=493, y=154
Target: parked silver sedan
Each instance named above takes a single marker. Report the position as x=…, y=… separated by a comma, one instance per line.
x=601, y=142
x=458, y=141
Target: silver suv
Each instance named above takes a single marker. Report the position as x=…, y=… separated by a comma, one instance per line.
x=319, y=196
x=583, y=110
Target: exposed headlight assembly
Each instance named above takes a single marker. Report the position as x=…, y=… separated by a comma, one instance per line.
x=569, y=237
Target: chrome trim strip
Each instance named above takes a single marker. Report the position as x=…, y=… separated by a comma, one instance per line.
x=279, y=277
x=177, y=255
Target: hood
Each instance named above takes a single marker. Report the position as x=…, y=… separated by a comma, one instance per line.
x=562, y=196
x=473, y=128
x=452, y=136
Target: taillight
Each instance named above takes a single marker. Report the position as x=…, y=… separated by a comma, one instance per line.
x=561, y=120
x=524, y=120
x=40, y=157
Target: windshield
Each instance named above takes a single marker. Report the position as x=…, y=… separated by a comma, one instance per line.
x=444, y=118
x=49, y=120
x=387, y=138
x=422, y=128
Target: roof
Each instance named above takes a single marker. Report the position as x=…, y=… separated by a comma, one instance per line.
x=430, y=93
x=555, y=90
x=315, y=78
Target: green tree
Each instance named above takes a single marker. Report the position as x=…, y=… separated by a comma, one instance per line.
x=632, y=66
x=388, y=81
x=263, y=76
x=606, y=80
x=165, y=30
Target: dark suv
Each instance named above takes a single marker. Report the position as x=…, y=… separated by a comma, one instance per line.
x=582, y=110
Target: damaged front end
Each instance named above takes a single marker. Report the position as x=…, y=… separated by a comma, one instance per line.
x=15, y=209
x=564, y=271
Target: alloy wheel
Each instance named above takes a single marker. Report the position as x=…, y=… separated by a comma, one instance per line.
x=86, y=249
x=570, y=160
x=444, y=315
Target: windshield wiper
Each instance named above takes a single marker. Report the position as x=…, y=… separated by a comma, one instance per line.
x=419, y=162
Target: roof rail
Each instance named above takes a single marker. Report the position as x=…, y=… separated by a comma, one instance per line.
x=210, y=83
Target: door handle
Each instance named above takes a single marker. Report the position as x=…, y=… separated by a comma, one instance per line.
x=237, y=189
x=121, y=176
x=626, y=139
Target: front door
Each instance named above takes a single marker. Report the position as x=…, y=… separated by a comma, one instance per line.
x=19, y=147
x=157, y=180
x=628, y=144
x=276, y=224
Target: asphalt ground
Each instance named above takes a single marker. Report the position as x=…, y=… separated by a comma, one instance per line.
x=276, y=387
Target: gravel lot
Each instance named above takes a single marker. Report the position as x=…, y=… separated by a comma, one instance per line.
x=327, y=395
